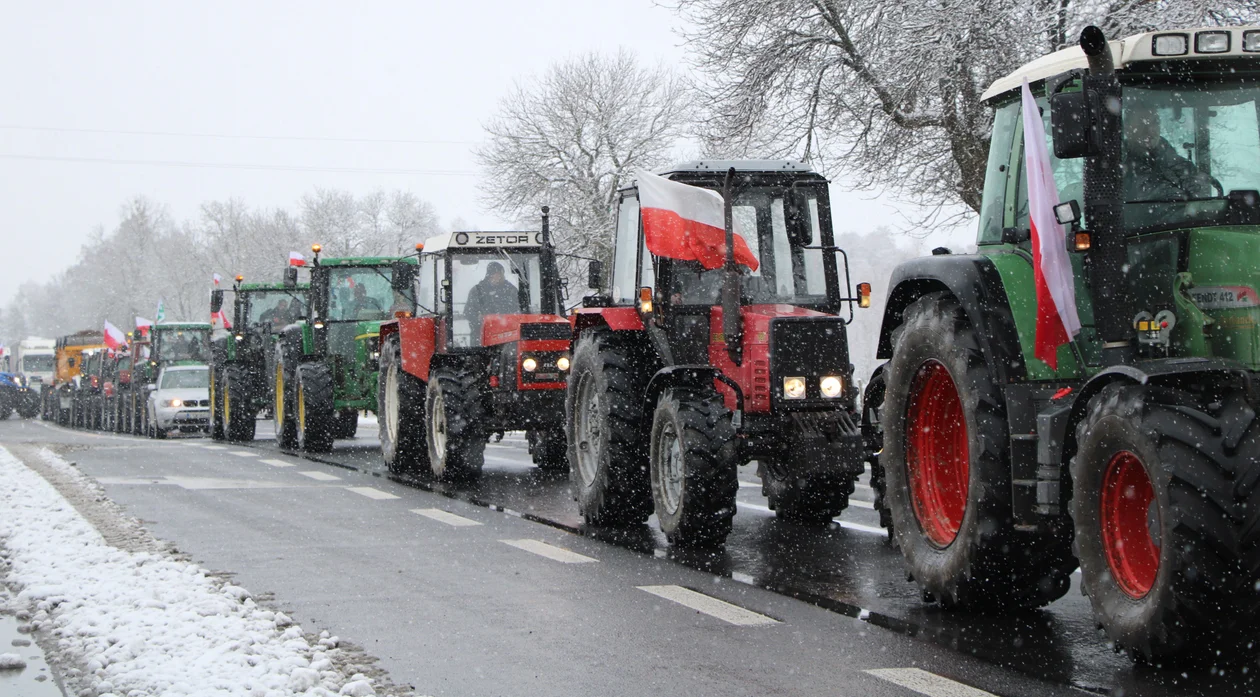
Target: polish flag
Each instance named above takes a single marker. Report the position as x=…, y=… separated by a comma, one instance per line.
x=115, y=338
x=1057, y=321
x=217, y=278
x=687, y=223
x=296, y=259
x=143, y=325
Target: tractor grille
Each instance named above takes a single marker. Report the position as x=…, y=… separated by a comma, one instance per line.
x=809, y=348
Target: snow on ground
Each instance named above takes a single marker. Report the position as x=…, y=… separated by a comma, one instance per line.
x=146, y=623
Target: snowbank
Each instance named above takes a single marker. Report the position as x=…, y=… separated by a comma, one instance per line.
x=145, y=623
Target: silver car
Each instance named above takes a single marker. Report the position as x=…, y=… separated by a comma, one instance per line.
x=180, y=401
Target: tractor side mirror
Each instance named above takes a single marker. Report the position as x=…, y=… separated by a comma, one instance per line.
x=595, y=274
x=216, y=301
x=1074, y=125
x=403, y=276
x=290, y=276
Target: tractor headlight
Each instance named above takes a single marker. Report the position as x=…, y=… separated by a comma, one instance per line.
x=240, y=337
x=529, y=365
x=831, y=386
x=794, y=388
x=562, y=363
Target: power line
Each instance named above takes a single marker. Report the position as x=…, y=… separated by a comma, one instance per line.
x=174, y=134
x=231, y=165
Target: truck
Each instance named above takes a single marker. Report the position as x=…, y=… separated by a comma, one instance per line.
x=153, y=348
x=1132, y=450
x=325, y=364
x=33, y=358
x=57, y=398
x=681, y=373
x=486, y=352
x=240, y=384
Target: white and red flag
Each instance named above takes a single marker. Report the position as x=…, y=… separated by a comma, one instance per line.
x=143, y=325
x=1057, y=321
x=220, y=318
x=296, y=259
x=687, y=222
x=217, y=278
x=115, y=338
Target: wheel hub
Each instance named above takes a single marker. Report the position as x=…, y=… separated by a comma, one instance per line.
x=391, y=402
x=587, y=428
x=437, y=426
x=1130, y=524
x=672, y=468
x=938, y=462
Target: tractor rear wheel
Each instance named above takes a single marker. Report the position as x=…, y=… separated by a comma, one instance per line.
x=218, y=431
x=285, y=408
x=400, y=414
x=1167, y=513
x=315, y=412
x=240, y=423
x=457, y=442
x=693, y=466
x=812, y=501
x=549, y=449
x=608, y=429
x=948, y=482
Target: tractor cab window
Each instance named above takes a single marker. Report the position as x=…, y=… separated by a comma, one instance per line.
x=782, y=227
x=1069, y=175
x=360, y=293
x=425, y=300
x=275, y=309
x=626, y=254
x=492, y=283
x=183, y=345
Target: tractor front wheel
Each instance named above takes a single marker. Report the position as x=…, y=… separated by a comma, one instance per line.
x=217, y=429
x=285, y=407
x=400, y=414
x=1167, y=534
x=315, y=412
x=549, y=449
x=239, y=419
x=693, y=467
x=452, y=408
x=947, y=479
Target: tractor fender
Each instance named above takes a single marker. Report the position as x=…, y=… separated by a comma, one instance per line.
x=699, y=376
x=975, y=282
x=615, y=318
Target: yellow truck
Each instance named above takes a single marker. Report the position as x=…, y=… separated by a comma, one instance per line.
x=58, y=399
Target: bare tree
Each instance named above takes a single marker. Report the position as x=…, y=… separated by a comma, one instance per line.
x=570, y=138
x=888, y=92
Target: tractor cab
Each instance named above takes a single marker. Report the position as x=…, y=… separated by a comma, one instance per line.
x=180, y=343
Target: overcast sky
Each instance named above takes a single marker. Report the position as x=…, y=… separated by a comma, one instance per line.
x=95, y=94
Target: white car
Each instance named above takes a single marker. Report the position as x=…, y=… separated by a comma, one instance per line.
x=180, y=401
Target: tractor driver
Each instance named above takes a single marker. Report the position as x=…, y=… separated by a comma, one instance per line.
x=492, y=295
x=362, y=303
x=277, y=316
x=1154, y=170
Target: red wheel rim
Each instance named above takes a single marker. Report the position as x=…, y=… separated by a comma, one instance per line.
x=1127, y=516
x=937, y=459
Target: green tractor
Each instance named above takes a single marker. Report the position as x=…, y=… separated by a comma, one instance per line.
x=240, y=384
x=153, y=348
x=1138, y=457
x=326, y=364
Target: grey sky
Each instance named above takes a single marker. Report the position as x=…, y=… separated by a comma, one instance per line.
x=311, y=72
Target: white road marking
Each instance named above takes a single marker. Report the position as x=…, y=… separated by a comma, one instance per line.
x=543, y=549
x=442, y=516
x=242, y=453
x=214, y=447
x=371, y=493
x=277, y=463
x=709, y=605
x=842, y=523
x=925, y=683
x=749, y=485
x=319, y=476
x=861, y=504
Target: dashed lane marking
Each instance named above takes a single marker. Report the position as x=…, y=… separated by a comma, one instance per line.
x=842, y=523
x=749, y=485
x=442, y=516
x=320, y=476
x=277, y=463
x=709, y=605
x=861, y=504
x=552, y=552
x=242, y=453
x=925, y=683
x=214, y=447
x=371, y=493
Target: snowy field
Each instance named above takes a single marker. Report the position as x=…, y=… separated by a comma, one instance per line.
x=138, y=623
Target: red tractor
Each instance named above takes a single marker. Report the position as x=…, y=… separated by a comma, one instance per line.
x=683, y=373
x=486, y=352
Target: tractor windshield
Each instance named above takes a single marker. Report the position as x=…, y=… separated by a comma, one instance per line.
x=274, y=308
x=183, y=344
x=361, y=293
x=492, y=283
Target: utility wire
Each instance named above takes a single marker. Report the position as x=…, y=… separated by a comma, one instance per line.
x=232, y=165
x=174, y=134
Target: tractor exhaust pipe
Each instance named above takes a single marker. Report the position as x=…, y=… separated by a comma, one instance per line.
x=547, y=257
x=1104, y=205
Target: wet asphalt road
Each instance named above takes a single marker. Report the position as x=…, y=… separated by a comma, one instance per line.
x=462, y=613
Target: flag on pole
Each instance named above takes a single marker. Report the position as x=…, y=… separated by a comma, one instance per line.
x=143, y=325
x=115, y=338
x=1057, y=321
x=220, y=317
x=687, y=223
x=160, y=316
x=217, y=278
x=296, y=259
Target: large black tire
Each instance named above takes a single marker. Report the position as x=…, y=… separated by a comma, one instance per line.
x=693, y=464
x=137, y=417
x=316, y=418
x=218, y=431
x=608, y=430
x=944, y=413
x=813, y=501
x=284, y=405
x=6, y=408
x=239, y=419
x=1184, y=477
x=347, y=424
x=28, y=408
x=873, y=436
x=400, y=400
x=549, y=450
x=454, y=414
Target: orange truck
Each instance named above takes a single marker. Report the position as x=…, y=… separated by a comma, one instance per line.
x=58, y=398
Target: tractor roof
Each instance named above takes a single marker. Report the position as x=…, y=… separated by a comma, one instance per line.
x=255, y=287
x=739, y=165
x=176, y=326
x=474, y=240
x=1241, y=42
x=364, y=261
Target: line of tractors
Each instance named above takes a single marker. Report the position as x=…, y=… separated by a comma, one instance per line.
x=1136, y=459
